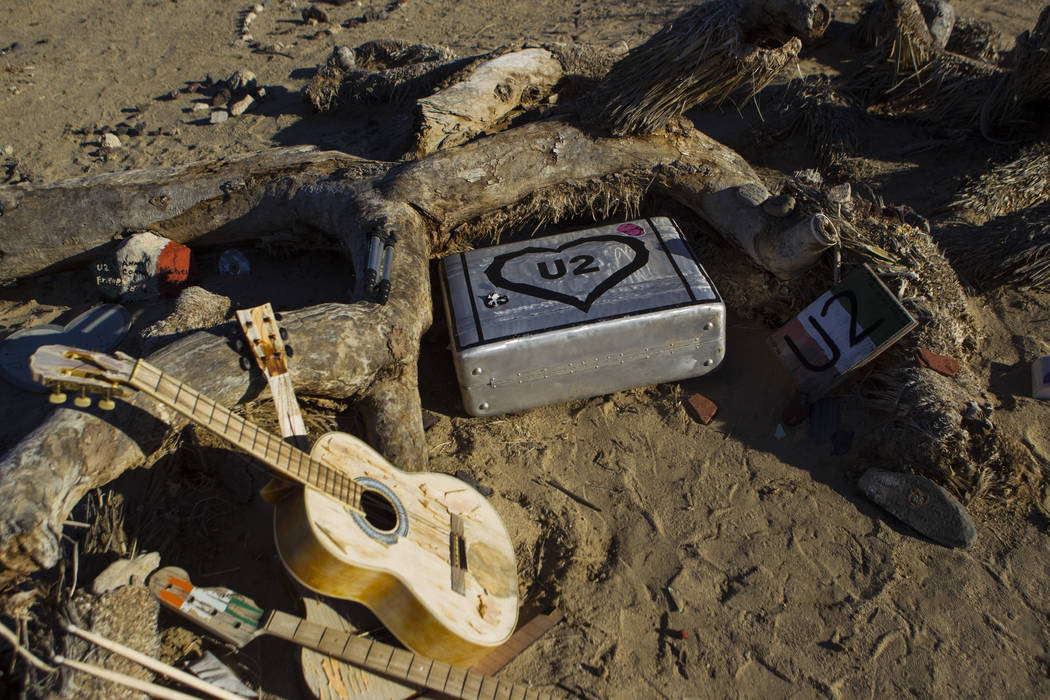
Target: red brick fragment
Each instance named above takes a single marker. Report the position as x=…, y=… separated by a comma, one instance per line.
x=701, y=408
x=947, y=366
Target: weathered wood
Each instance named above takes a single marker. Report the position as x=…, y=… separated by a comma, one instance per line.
x=347, y=350
x=477, y=105
x=60, y=224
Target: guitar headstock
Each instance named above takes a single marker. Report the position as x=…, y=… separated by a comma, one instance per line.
x=265, y=339
x=222, y=612
x=63, y=367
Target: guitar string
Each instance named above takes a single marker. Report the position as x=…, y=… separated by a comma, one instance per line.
x=328, y=480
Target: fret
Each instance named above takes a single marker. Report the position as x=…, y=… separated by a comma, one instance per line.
x=359, y=652
x=419, y=670
x=299, y=467
x=332, y=641
x=471, y=687
x=517, y=692
x=196, y=400
x=500, y=690
x=309, y=633
x=178, y=390
x=457, y=677
x=399, y=664
x=277, y=459
x=437, y=678
x=160, y=376
x=255, y=436
x=211, y=414
x=343, y=488
x=379, y=656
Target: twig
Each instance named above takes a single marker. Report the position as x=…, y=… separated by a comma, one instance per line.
x=579, y=499
x=28, y=655
x=151, y=689
x=154, y=664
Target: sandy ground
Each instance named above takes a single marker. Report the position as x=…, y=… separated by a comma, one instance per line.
x=790, y=582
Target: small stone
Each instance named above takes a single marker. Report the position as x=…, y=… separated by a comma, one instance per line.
x=315, y=14
x=239, y=107
x=701, y=408
x=249, y=18
x=219, y=116
x=201, y=106
x=241, y=81
x=260, y=93
x=257, y=9
x=922, y=504
x=124, y=572
x=247, y=38
x=780, y=205
x=345, y=57
x=9, y=150
x=110, y=140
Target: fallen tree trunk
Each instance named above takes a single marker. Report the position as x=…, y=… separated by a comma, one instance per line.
x=479, y=104
x=62, y=224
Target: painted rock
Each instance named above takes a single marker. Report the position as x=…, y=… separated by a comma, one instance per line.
x=922, y=504
x=145, y=266
x=101, y=328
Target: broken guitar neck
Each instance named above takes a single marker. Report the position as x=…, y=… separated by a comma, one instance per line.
x=237, y=620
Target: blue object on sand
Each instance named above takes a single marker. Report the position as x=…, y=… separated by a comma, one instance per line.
x=100, y=329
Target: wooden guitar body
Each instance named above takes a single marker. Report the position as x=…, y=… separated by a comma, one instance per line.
x=429, y=556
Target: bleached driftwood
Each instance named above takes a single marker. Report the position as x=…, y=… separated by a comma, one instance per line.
x=480, y=103
x=65, y=223
x=360, y=349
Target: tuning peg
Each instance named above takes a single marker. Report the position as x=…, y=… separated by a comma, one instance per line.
x=245, y=363
x=57, y=396
x=283, y=333
x=277, y=316
x=107, y=404
x=288, y=350
x=82, y=401
x=238, y=344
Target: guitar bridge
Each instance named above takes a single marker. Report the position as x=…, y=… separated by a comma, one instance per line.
x=457, y=555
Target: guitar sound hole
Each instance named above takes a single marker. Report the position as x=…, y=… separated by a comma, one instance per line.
x=379, y=511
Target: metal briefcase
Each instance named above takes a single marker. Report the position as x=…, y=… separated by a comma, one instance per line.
x=579, y=314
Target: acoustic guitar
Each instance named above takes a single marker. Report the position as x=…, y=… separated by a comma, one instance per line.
x=424, y=551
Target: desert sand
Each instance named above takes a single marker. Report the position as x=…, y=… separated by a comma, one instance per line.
x=790, y=582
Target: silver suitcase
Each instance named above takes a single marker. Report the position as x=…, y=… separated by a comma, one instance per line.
x=579, y=314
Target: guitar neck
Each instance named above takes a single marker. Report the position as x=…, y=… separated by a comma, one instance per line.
x=289, y=461
x=390, y=661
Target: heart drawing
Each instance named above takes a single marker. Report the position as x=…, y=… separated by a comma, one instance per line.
x=577, y=273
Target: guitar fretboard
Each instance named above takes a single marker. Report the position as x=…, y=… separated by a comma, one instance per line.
x=264, y=446
x=399, y=664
